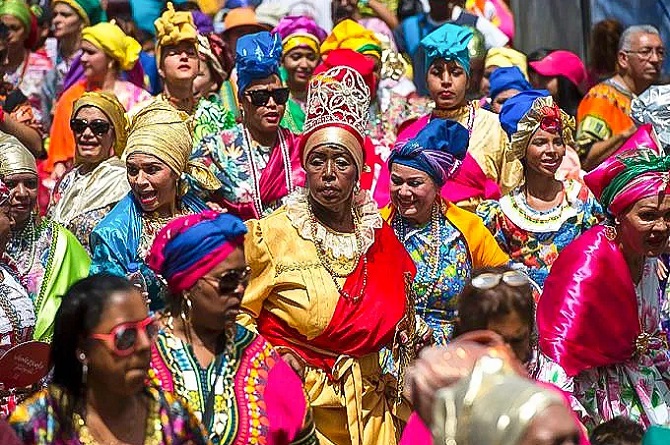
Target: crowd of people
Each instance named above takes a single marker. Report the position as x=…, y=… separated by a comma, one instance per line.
x=235, y=224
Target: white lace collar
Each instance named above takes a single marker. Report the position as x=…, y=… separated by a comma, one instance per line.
x=340, y=244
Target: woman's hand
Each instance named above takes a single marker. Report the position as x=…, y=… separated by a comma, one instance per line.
x=661, y=269
x=59, y=170
x=217, y=208
x=294, y=362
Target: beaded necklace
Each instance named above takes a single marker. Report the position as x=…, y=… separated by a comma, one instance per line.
x=449, y=114
x=26, y=239
x=9, y=309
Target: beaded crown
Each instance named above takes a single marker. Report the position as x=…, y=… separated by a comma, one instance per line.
x=338, y=96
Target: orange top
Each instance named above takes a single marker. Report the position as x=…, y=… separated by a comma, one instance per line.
x=61, y=145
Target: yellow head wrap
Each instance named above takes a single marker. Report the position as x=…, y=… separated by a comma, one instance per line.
x=114, y=42
x=505, y=58
x=164, y=132
x=174, y=27
x=15, y=157
x=349, y=34
x=300, y=40
x=110, y=105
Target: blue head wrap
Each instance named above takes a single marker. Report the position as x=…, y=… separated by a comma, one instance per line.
x=517, y=107
x=437, y=150
x=448, y=42
x=258, y=56
x=507, y=78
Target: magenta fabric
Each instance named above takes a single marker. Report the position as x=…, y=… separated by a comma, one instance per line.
x=295, y=25
x=587, y=315
x=286, y=404
x=415, y=432
x=185, y=280
x=562, y=63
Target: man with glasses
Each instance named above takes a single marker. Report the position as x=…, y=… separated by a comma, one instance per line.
x=603, y=116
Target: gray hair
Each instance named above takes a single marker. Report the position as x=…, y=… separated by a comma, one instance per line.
x=627, y=36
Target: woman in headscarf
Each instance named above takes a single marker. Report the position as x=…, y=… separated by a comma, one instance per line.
x=599, y=315
x=106, y=52
x=501, y=58
x=234, y=381
x=301, y=39
x=445, y=242
x=161, y=178
x=487, y=168
x=98, y=181
x=505, y=84
x=47, y=255
x=257, y=161
x=536, y=220
x=324, y=266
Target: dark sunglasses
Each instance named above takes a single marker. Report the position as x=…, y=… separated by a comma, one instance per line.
x=260, y=98
x=231, y=280
x=97, y=126
x=122, y=340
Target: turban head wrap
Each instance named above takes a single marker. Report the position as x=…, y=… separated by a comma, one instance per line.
x=213, y=51
x=509, y=78
x=298, y=32
x=90, y=11
x=347, y=57
x=436, y=150
x=505, y=58
x=258, y=57
x=15, y=157
x=174, y=27
x=189, y=247
x=523, y=114
x=162, y=131
x=638, y=170
x=110, y=105
x=114, y=42
x=653, y=107
x=351, y=35
x=448, y=42
x=20, y=10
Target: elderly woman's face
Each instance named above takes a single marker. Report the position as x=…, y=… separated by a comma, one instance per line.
x=545, y=152
x=23, y=198
x=212, y=309
x=65, y=21
x=300, y=64
x=447, y=84
x=95, y=62
x=180, y=63
x=555, y=425
x=204, y=84
x=263, y=117
x=17, y=32
x=152, y=182
x=413, y=193
x=123, y=375
x=94, y=144
x=644, y=229
x=331, y=176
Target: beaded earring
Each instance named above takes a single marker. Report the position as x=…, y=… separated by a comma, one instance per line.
x=84, y=368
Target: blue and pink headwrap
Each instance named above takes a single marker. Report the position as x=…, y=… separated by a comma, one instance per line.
x=437, y=150
x=257, y=56
x=188, y=247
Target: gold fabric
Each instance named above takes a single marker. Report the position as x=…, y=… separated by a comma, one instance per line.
x=354, y=36
x=15, y=158
x=114, y=42
x=110, y=105
x=174, y=27
x=107, y=184
x=335, y=136
x=505, y=58
x=299, y=40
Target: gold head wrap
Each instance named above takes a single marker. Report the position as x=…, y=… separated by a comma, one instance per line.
x=114, y=42
x=110, y=105
x=174, y=27
x=15, y=157
x=164, y=132
x=352, y=35
x=492, y=406
x=505, y=58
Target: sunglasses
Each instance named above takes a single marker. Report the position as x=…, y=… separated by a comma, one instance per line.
x=97, y=126
x=488, y=281
x=260, y=98
x=231, y=280
x=122, y=340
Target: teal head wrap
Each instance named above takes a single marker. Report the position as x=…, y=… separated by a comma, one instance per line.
x=448, y=42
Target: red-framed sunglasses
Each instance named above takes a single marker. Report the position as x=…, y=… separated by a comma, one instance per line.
x=122, y=340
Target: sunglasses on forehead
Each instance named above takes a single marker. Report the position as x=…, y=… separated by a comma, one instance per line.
x=122, y=340
x=98, y=126
x=260, y=98
x=486, y=281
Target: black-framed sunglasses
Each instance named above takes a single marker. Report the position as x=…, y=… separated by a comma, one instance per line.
x=231, y=279
x=260, y=98
x=97, y=126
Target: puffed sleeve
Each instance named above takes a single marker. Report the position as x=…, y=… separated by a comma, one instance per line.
x=484, y=248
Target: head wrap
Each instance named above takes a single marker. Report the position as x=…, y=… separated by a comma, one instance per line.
x=174, y=27
x=189, y=247
x=162, y=131
x=258, y=57
x=21, y=11
x=448, y=42
x=299, y=32
x=114, y=42
x=505, y=58
x=4, y=193
x=529, y=110
x=213, y=51
x=242, y=16
x=653, y=107
x=436, y=150
x=271, y=13
x=493, y=405
x=347, y=57
x=15, y=157
x=562, y=63
x=337, y=109
x=110, y=105
x=90, y=11
x=202, y=22
x=656, y=435
x=477, y=45
x=509, y=78
x=637, y=170
x=351, y=35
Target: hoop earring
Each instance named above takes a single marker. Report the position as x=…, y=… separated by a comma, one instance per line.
x=186, y=308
